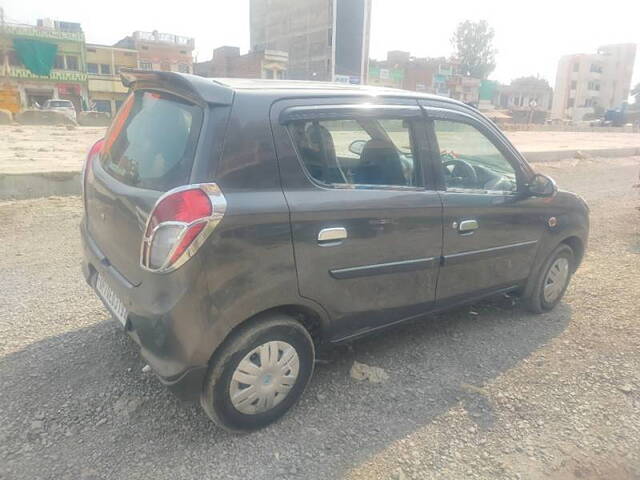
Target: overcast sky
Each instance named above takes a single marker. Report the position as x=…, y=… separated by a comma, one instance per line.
x=530, y=36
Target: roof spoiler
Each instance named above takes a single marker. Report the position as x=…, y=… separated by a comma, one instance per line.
x=198, y=88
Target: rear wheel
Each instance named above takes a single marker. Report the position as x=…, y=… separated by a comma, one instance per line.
x=259, y=374
x=552, y=280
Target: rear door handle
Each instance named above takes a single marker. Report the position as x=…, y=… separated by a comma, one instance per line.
x=467, y=226
x=332, y=236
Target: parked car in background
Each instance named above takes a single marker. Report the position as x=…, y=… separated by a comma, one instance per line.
x=64, y=106
x=234, y=226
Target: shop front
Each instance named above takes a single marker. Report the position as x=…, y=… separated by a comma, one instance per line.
x=72, y=92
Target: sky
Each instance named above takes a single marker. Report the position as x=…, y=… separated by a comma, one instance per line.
x=530, y=36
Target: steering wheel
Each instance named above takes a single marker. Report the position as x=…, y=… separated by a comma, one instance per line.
x=462, y=170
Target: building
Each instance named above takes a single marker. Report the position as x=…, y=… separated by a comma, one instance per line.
x=227, y=62
x=326, y=40
x=161, y=51
x=42, y=62
x=464, y=88
x=525, y=92
x=384, y=74
x=441, y=77
x=419, y=74
x=401, y=70
x=588, y=84
x=528, y=99
x=431, y=75
x=106, y=92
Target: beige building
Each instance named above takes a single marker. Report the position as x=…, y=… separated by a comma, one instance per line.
x=593, y=83
x=106, y=92
x=161, y=51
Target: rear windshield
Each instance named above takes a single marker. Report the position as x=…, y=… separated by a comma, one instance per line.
x=151, y=142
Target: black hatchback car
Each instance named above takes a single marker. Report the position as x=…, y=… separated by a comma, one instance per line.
x=233, y=226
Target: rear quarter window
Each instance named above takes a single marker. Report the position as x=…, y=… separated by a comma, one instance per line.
x=151, y=142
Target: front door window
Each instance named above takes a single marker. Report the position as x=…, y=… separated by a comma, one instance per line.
x=470, y=161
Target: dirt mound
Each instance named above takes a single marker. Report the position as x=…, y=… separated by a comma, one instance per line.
x=44, y=117
x=5, y=117
x=94, y=119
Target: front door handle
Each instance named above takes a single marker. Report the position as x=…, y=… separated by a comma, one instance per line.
x=467, y=226
x=332, y=236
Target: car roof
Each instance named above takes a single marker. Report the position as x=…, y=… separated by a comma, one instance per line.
x=222, y=90
x=313, y=87
x=267, y=84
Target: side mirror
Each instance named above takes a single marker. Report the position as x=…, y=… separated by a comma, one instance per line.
x=357, y=146
x=541, y=186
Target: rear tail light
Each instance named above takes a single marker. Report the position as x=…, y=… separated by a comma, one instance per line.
x=178, y=225
x=94, y=153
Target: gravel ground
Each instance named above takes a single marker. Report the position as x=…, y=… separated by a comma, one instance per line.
x=483, y=392
x=40, y=148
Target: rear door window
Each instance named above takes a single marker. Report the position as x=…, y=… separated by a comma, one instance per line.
x=151, y=142
x=363, y=152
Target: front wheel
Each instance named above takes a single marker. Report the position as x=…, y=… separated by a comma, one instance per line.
x=552, y=280
x=259, y=374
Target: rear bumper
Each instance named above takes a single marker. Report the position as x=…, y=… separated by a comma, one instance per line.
x=167, y=319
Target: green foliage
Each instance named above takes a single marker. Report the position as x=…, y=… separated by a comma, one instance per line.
x=473, y=42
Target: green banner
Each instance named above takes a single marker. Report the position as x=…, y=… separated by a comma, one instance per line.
x=488, y=89
x=39, y=57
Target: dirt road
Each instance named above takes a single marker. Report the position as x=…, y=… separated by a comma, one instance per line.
x=484, y=392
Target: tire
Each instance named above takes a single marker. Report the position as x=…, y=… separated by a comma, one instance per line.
x=537, y=301
x=268, y=349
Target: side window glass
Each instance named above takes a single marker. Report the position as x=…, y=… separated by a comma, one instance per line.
x=363, y=152
x=471, y=161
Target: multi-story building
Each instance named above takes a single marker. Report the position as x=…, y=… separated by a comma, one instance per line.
x=161, y=51
x=42, y=62
x=106, y=92
x=227, y=62
x=592, y=83
x=326, y=40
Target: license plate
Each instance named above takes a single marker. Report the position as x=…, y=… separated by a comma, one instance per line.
x=112, y=301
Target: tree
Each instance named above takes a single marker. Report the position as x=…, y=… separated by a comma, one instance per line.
x=473, y=43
